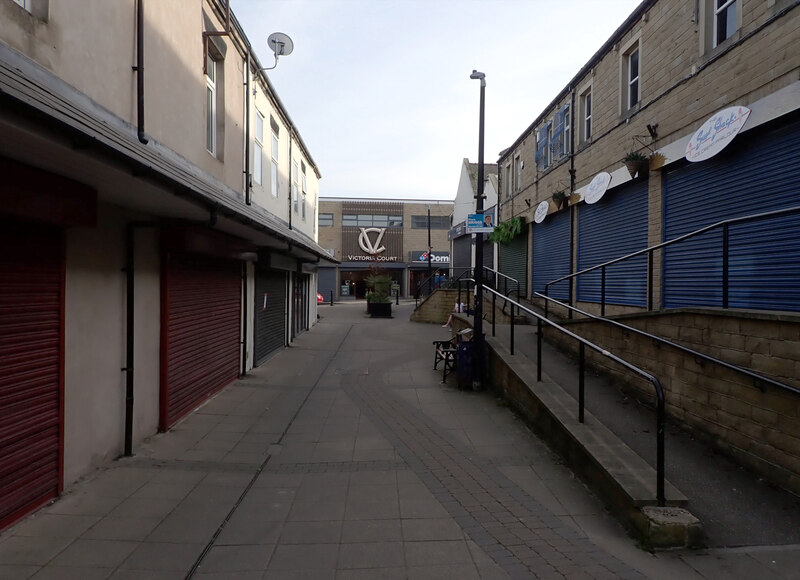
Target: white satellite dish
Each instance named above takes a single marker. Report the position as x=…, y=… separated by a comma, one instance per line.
x=280, y=44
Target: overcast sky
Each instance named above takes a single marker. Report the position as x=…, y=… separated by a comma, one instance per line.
x=380, y=90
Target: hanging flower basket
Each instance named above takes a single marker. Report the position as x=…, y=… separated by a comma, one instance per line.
x=637, y=164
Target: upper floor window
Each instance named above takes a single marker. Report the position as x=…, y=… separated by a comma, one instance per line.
x=630, y=62
x=211, y=105
x=26, y=4
x=274, y=166
x=517, y=173
x=586, y=115
x=438, y=222
x=303, y=177
x=633, y=79
x=726, y=20
x=543, y=146
x=559, y=140
x=295, y=186
x=325, y=220
x=369, y=220
x=258, y=148
x=507, y=184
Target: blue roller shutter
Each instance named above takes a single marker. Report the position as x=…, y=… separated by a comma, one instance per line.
x=514, y=262
x=613, y=227
x=758, y=172
x=551, y=254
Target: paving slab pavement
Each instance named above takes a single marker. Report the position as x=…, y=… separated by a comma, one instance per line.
x=344, y=457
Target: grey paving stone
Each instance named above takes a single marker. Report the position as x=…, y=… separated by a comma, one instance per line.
x=431, y=529
x=371, y=555
x=11, y=572
x=444, y=572
x=371, y=531
x=240, y=558
x=95, y=553
x=113, y=528
x=311, y=533
x=441, y=552
x=70, y=573
x=20, y=551
x=159, y=557
x=298, y=557
x=49, y=525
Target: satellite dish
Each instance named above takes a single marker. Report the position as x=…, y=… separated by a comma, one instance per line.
x=280, y=44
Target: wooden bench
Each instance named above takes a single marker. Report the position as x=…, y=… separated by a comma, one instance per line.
x=445, y=352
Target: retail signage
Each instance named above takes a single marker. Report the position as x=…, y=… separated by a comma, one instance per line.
x=457, y=231
x=480, y=223
x=372, y=245
x=421, y=257
x=357, y=258
x=541, y=212
x=716, y=133
x=597, y=188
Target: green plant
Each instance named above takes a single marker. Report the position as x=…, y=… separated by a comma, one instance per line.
x=559, y=196
x=635, y=156
x=381, y=284
x=506, y=231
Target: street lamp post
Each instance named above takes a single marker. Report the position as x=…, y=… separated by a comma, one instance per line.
x=430, y=250
x=477, y=327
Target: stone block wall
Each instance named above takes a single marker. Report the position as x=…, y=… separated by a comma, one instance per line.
x=757, y=424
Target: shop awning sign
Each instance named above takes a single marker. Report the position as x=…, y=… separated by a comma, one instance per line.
x=541, y=211
x=716, y=133
x=597, y=187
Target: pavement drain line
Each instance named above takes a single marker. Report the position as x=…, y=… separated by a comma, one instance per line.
x=517, y=532
x=193, y=570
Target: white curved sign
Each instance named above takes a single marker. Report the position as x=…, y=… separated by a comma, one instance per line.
x=716, y=133
x=367, y=244
x=597, y=187
x=541, y=212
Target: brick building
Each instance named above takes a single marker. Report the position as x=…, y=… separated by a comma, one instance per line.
x=387, y=234
x=708, y=94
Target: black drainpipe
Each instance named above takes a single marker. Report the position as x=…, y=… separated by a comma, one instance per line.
x=139, y=68
x=247, y=196
x=244, y=318
x=129, y=331
x=291, y=193
x=573, y=208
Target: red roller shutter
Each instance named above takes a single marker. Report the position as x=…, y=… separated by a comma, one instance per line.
x=201, y=309
x=31, y=368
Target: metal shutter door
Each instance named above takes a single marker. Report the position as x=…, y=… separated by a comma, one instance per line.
x=201, y=340
x=551, y=254
x=514, y=262
x=326, y=283
x=462, y=255
x=754, y=174
x=488, y=252
x=31, y=362
x=614, y=226
x=270, y=310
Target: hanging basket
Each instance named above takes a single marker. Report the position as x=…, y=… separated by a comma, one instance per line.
x=638, y=168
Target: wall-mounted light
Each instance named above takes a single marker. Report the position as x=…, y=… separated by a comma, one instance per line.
x=653, y=130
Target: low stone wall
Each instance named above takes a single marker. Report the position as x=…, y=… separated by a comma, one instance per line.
x=437, y=307
x=757, y=425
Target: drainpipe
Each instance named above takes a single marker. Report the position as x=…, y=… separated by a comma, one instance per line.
x=245, y=320
x=247, y=195
x=129, y=331
x=573, y=209
x=139, y=68
x=291, y=193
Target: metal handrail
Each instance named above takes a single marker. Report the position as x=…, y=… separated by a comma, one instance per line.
x=649, y=251
x=747, y=372
x=583, y=343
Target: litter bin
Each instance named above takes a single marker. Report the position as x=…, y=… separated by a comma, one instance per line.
x=464, y=362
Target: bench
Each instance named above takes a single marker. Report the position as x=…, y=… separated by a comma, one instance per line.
x=445, y=352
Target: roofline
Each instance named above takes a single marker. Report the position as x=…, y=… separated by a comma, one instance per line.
x=620, y=31
x=386, y=200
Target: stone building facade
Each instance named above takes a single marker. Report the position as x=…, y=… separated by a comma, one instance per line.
x=390, y=235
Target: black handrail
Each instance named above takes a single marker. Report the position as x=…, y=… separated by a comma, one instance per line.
x=660, y=408
x=723, y=224
x=747, y=372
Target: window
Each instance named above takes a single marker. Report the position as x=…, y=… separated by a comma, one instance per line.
x=543, y=146
x=258, y=148
x=507, y=184
x=26, y=4
x=586, y=115
x=274, y=170
x=211, y=105
x=325, y=220
x=295, y=177
x=630, y=68
x=633, y=79
x=725, y=20
x=559, y=140
x=369, y=221
x=517, y=173
x=303, y=176
x=438, y=222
